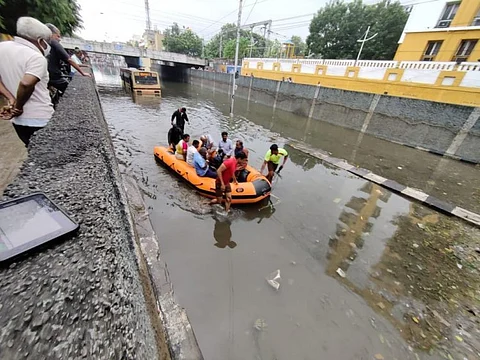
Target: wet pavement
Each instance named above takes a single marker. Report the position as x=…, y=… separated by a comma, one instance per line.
x=364, y=273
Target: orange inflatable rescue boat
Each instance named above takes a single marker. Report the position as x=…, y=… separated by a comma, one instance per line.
x=255, y=189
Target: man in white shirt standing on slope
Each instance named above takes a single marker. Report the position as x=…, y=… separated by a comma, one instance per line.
x=24, y=78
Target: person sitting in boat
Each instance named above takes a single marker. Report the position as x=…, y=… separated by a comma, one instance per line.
x=208, y=143
x=201, y=165
x=225, y=174
x=241, y=173
x=272, y=159
x=182, y=147
x=191, y=151
x=217, y=160
x=226, y=144
x=174, y=136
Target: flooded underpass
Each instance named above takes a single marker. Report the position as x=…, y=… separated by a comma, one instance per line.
x=363, y=273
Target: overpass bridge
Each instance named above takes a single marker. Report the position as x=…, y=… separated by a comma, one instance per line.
x=134, y=55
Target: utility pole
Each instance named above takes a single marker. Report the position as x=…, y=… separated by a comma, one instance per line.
x=220, y=48
x=363, y=41
x=265, y=41
x=240, y=2
x=267, y=44
x=251, y=41
x=147, y=13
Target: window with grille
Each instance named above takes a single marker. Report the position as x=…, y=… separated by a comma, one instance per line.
x=465, y=49
x=432, y=49
x=448, y=14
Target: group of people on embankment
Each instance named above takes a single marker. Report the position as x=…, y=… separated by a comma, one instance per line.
x=34, y=70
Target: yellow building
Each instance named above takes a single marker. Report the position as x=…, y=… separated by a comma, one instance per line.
x=442, y=31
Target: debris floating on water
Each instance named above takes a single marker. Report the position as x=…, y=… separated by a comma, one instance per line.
x=260, y=324
x=272, y=279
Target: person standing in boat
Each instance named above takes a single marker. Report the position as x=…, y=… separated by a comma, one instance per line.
x=226, y=145
x=225, y=174
x=180, y=116
x=272, y=160
x=182, y=147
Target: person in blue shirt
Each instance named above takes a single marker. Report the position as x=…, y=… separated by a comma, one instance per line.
x=201, y=166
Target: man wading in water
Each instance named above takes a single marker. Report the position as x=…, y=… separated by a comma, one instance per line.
x=180, y=117
x=225, y=174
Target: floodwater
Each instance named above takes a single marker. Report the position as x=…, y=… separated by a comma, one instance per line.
x=364, y=273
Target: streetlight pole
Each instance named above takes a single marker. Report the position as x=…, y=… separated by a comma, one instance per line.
x=363, y=41
x=237, y=45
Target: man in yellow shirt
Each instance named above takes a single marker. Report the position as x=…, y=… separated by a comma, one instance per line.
x=272, y=159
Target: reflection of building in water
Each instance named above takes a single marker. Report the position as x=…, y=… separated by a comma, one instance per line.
x=354, y=223
x=304, y=160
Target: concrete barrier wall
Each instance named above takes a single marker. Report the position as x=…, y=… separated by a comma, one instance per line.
x=452, y=130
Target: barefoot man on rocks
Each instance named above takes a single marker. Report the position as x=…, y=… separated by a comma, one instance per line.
x=226, y=172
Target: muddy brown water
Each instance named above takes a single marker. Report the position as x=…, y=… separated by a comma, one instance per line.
x=323, y=219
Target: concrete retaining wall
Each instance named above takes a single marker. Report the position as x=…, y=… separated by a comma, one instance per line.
x=451, y=130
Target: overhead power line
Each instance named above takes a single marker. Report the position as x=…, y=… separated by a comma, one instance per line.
x=250, y=13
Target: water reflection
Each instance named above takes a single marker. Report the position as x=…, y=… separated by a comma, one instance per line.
x=302, y=159
x=372, y=243
x=147, y=100
x=222, y=233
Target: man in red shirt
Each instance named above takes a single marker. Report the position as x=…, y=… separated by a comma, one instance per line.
x=226, y=172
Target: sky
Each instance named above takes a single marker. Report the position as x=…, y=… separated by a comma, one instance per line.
x=119, y=20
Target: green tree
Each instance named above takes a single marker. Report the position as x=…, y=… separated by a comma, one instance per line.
x=274, y=49
x=243, y=48
x=229, y=32
x=300, y=46
x=182, y=41
x=387, y=19
x=335, y=29
x=65, y=14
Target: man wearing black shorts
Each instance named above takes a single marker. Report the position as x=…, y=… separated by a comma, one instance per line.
x=272, y=160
